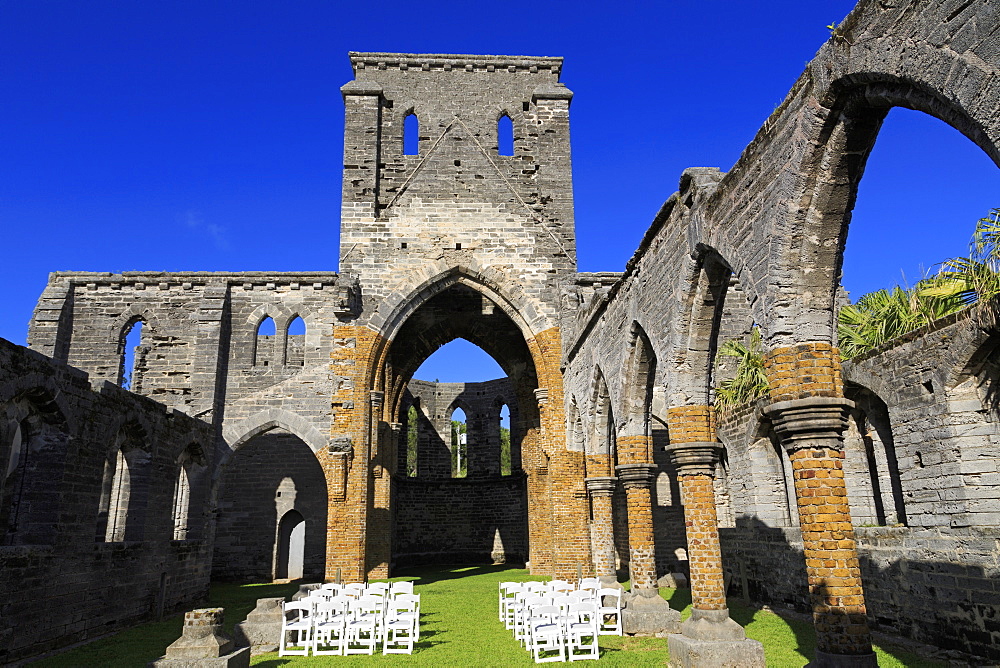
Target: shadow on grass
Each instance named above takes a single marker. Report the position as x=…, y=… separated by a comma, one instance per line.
x=425, y=575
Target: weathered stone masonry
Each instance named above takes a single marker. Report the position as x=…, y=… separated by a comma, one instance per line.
x=295, y=443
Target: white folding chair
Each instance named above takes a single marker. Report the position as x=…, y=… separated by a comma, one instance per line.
x=582, y=632
x=412, y=600
x=377, y=588
x=560, y=586
x=363, y=626
x=399, y=632
x=508, y=603
x=522, y=615
x=545, y=634
x=330, y=626
x=405, y=587
x=298, y=620
x=610, y=611
x=504, y=592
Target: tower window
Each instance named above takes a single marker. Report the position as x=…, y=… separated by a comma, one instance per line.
x=505, y=136
x=411, y=132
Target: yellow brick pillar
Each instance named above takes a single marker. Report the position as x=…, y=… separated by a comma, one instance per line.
x=602, y=529
x=637, y=476
x=810, y=415
x=646, y=613
x=709, y=637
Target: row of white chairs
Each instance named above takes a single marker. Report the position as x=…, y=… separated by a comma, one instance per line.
x=556, y=621
x=352, y=619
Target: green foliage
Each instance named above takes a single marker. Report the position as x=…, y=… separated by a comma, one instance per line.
x=505, y=467
x=459, y=467
x=881, y=316
x=749, y=383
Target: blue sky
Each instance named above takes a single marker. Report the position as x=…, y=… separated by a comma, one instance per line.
x=207, y=135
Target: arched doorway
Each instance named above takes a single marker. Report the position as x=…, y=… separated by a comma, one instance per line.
x=291, y=549
x=272, y=510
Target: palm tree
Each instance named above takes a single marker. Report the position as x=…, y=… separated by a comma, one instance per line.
x=883, y=315
x=749, y=383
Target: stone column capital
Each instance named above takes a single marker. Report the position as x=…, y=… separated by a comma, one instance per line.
x=636, y=475
x=809, y=422
x=603, y=486
x=695, y=457
x=376, y=397
x=542, y=395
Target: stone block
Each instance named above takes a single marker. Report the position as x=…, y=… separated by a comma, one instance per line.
x=238, y=659
x=673, y=581
x=688, y=652
x=203, y=645
x=649, y=616
x=261, y=630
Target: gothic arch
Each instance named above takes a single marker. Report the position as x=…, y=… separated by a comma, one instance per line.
x=435, y=277
x=235, y=434
x=814, y=237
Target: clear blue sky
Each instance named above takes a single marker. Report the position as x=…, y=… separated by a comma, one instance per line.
x=207, y=135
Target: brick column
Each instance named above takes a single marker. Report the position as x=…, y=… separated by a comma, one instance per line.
x=810, y=416
x=646, y=613
x=601, y=491
x=709, y=637
x=638, y=482
x=379, y=532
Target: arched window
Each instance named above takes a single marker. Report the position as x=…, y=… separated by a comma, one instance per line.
x=32, y=456
x=124, y=490
x=459, y=444
x=412, y=439
x=505, y=136
x=263, y=351
x=14, y=484
x=182, y=501
x=295, y=342
x=505, y=463
x=132, y=356
x=411, y=135
x=190, y=465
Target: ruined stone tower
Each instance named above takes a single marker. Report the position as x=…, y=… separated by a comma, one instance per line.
x=457, y=201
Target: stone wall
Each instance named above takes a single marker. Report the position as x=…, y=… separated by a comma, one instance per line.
x=63, y=579
x=924, y=515
x=463, y=520
x=270, y=475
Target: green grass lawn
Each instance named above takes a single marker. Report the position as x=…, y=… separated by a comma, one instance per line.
x=459, y=627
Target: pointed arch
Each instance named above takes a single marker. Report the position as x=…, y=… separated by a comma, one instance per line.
x=813, y=241
x=411, y=133
x=505, y=135
x=33, y=451
x=638, y=392
x=125, y=486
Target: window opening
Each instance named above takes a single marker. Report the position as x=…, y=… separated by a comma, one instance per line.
x=295, y=342
x=505, y=463
x=14, y=482
x=505, y=136
x=132, y=356
x=459, y=444
x=182, y=500
x=412, y=440
x=411, y=135
x=264, y=344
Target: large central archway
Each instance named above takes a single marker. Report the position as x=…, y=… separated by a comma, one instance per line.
x=471, y=513
x=542, y=487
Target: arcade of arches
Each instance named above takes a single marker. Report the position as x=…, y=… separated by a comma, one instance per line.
x=271, y=426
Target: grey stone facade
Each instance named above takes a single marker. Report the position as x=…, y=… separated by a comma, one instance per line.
x=300, y=438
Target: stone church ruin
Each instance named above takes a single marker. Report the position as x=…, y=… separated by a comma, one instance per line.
x=866, y=492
